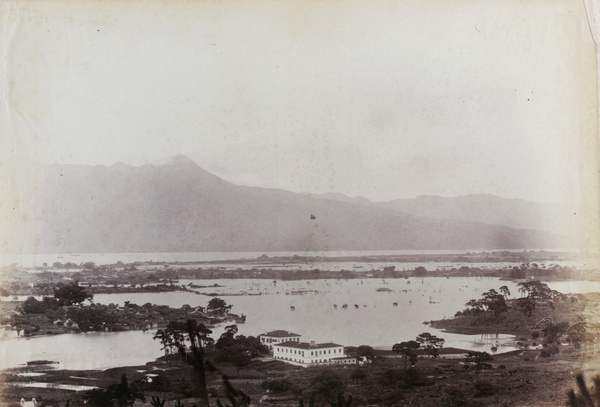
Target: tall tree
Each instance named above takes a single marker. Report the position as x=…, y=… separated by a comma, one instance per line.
x=71, y=294
x=535, y=290
x=430, y=343
x=505, y=291
x=218, y=305
x=408, y=350
x=227, y=338
x=198, y=336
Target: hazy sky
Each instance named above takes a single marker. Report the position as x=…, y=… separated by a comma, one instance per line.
x=384, y=99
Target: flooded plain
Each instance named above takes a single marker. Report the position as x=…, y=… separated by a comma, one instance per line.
x=378, y=313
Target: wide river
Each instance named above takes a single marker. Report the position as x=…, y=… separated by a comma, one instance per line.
x=371, y=317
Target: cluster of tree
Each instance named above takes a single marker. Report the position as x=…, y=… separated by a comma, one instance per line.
x=408, y=350
x=393, y=382
x=240, y=349
x=430, y=344
x=71, y=294
x=121, y=394
x=533, y=270
x=576, y=334
x=325, y=388
x=362, y=351
x=64, y=295
x=479, y=360
x=229, y=348
x=179, y=335
x=534, y=291
x=90, y=319
x=194, y=336
x=218, y=306
x=420, y=271
x=492, y=301
x=32, y=306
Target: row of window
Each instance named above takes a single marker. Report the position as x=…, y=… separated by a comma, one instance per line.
x=277, y=340
x=310, y=361
x=324, y=352
x=312, y=353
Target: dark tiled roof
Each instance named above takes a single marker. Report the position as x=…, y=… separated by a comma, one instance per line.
x=306, y=345
x=280, y=334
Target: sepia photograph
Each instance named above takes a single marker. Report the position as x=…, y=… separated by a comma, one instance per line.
x=341, y=203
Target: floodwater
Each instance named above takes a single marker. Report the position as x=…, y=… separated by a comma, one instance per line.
x=83, y=351
x=311, y=308
x=308, y=307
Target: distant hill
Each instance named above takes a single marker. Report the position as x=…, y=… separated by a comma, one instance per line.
x=180, y=207
x=490, y=209
x=494, y=210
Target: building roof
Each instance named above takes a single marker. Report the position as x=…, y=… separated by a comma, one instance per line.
x=306, y=345
x=280, y=334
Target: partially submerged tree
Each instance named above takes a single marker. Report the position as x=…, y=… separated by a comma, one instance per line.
x=218, y=305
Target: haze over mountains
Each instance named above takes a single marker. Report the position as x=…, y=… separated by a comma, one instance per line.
x=180, y=207
x=482, y=208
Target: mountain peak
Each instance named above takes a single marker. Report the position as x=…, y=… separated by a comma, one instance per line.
x=180, y=159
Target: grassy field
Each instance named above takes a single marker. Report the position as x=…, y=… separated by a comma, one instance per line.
x=520, y=378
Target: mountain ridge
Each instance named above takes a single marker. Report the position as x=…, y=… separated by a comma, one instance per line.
x=178, y=206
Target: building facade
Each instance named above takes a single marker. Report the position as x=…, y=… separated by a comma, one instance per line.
x=274, y=337
x=311, y=354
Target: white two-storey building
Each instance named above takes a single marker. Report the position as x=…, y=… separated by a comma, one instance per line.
x=311, y=354
x=271, y=338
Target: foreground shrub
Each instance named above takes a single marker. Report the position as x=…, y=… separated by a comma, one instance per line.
x=588, y=396
x=484, y=388
x=454, y=397
x=415, y=377
x=277, y=386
